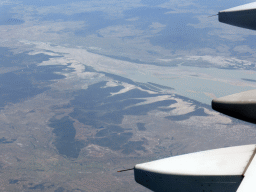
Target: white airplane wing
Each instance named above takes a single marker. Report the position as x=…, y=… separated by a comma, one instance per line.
x=219, y=170
x=230, y=169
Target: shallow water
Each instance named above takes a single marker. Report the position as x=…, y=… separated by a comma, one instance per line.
x=217, y=82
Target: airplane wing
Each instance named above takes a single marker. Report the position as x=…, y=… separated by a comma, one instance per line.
x=219, y=170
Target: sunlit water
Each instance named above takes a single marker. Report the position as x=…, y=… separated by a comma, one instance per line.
x=219, y=84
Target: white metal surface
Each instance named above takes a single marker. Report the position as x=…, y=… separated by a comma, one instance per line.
x=248, y=6
x=225, y=161
x=249, y=182
x=247, y=97
x=241, y=105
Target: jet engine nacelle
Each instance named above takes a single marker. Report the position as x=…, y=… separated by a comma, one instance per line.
x=242, y=16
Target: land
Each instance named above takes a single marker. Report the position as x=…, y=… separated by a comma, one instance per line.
x=75, y=127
